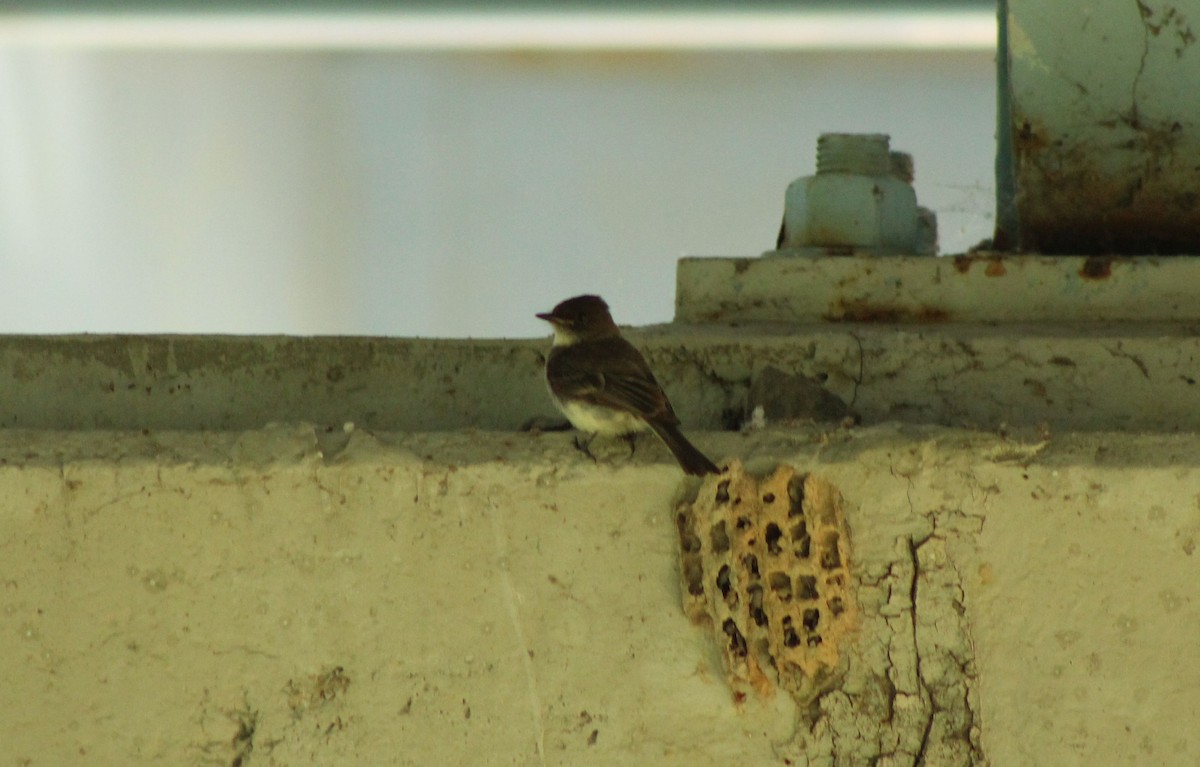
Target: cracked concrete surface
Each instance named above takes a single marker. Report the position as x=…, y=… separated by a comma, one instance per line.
x=1062, y=376
x=496, y=598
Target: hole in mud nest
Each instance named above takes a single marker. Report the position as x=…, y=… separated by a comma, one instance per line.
x=796, y=496
x=812, y=617
x=719, y=538
x=756, y=608
x=750, y=562
x=723, y=492
x=725, y=587
x=802, y=544
x=772, y=537
x=836, y=606
x=688, y=541
x=693, y=575
x=790, y=637
x=803, y=548
x=808, y=587
x=799, y=531
x=737, y=642
x=781, y=584
x=830, y=558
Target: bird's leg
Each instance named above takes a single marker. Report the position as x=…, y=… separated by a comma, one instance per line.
x=583, y=445
x=631, y=439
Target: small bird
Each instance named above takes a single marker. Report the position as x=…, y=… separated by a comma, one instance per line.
x=603, y=385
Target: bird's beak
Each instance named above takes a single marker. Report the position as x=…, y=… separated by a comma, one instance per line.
x=547, y=316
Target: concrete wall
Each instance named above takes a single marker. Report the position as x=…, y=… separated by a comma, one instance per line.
x=239, y=551
x=248, y=597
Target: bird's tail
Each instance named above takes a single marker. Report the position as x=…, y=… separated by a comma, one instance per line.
x=691, y=460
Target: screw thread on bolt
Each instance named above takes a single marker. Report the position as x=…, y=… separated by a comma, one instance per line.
x=863, y=154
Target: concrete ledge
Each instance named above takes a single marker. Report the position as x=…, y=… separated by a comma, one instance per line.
x=240, y=382
x=194, y=598
x=976, y=288
x=1093, y=376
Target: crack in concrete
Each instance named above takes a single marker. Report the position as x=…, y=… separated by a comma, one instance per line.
x=1144, y=12
x=1120, y=353
x=923, y=690
x=862, y=363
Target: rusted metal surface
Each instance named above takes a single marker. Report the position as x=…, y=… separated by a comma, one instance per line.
x=1104, y=126
x=1140, y=194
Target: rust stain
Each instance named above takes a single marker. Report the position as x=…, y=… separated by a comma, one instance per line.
x=995, y=264
x=1029, y=137
x=1037, y=389
x=865, y=311
x=1096, y=268
x=1080, y=194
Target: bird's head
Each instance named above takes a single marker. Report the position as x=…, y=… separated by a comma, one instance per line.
x=580, y=318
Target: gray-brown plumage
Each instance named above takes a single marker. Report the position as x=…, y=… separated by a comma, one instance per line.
x=603, y=385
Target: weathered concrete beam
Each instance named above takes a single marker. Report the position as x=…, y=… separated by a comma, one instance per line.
x=467, y=598
x=783, y=286
x=1092, y=376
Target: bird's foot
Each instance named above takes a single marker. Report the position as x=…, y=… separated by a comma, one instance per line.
x=631, y=440
x=584, y=445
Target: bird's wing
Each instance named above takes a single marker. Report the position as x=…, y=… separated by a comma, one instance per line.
x=612, y=373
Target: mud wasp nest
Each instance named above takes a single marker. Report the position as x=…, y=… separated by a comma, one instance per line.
x=766, y=563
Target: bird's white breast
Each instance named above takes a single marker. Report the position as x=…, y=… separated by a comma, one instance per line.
x=600, y=420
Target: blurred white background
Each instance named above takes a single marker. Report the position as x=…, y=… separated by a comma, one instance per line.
x=438, y=190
